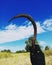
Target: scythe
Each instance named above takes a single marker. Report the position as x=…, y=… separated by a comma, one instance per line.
x=36, y=55
x=31, y=20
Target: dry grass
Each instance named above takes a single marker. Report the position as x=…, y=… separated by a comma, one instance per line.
x=48, y=52
x=5, y=55
x=19, y=59
x=16, y=59
x=48, y=60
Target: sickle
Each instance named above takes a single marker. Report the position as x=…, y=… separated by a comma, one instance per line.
x=33, y=23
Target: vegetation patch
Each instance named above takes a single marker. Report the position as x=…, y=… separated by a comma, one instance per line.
x=5, y=54
x=48, y=52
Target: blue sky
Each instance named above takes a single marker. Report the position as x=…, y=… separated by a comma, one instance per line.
x=14, y=34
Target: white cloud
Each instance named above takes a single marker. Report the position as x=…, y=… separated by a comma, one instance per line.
x=13, y=32
x=47, y=24
x=11, y=27
x=17, y=33
x=39, y=28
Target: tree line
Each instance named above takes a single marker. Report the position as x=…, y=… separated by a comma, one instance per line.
x=27, y=47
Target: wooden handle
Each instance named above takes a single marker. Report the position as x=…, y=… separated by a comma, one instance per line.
x=33, y=23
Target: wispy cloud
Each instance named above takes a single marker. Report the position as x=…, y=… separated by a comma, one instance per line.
x=47, y=25
x=11, y=27
x=39, y=28
x=17, y=33
x=13, y=32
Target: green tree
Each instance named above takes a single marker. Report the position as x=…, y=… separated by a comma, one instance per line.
x=6, y=50
x=46, y=48
x=20, y=51
x=29, y=43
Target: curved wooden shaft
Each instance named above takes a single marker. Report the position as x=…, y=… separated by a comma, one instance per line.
x=32, y=21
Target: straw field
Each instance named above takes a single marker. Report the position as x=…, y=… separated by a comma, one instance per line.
x=20, y=59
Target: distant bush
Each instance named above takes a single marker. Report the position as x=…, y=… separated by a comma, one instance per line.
x=21, y=51
x=47, y=48
x=6, y=50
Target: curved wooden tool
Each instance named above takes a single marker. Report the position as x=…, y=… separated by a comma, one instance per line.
x=36, y=55
x=33, y=23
